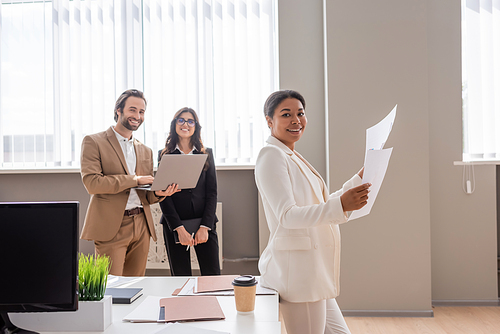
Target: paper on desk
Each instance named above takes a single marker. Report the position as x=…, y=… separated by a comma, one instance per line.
x=213, y=283
x=121, y=281
x=147, y=311
x=188, y=290
x=376, y=164
x=177, y=328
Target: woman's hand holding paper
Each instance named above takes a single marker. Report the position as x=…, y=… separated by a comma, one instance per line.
x=355, y=198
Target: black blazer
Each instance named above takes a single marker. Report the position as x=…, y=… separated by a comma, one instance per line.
x=199, y=202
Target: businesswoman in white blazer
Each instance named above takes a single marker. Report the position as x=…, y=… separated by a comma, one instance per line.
x=302, y=258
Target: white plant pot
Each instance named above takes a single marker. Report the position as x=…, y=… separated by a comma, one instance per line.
x=93, y=316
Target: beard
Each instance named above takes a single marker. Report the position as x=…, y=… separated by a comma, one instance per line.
x=126, y=124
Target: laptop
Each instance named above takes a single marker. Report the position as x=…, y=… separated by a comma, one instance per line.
x=183, y=169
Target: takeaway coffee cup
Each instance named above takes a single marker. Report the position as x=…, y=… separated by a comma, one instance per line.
x=244, y=293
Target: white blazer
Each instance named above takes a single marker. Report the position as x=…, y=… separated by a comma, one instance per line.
x=302, y=258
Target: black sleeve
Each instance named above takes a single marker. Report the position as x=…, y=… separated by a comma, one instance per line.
x=169, y=213
x=209, y=219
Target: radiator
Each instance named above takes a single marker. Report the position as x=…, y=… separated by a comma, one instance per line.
x=157, y=257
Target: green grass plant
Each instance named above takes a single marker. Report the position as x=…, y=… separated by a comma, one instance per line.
x=93, y=273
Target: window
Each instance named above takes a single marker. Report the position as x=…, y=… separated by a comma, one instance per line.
x=481, y=79
x=64, y=63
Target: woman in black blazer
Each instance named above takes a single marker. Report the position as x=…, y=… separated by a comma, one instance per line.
x=199, y=202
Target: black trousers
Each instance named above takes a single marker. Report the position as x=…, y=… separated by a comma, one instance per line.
x=180, y=259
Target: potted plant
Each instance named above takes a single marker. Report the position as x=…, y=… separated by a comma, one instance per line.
x=93, y=307
x=93, y=273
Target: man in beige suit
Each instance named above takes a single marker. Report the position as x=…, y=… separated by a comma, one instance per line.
x=118, y=217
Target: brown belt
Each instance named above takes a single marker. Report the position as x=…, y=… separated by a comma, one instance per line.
x=133, y=212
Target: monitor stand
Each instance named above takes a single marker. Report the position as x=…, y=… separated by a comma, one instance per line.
x=7, y=327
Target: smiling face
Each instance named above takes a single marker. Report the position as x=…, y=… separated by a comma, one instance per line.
x=288, y=122
x=132, y=114
x=185, y=131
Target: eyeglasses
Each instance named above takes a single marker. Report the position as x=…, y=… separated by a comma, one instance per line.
x=190, y=122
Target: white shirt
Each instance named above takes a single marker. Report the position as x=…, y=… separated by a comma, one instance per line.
x=178, y=148
x=128, y=149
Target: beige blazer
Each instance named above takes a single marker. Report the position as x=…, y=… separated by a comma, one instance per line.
x=106, y=177
x=302, y=258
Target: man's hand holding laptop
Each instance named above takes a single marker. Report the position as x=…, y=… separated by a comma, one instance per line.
x=145, y=180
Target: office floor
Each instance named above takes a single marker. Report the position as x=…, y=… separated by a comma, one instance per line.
x=446, y=320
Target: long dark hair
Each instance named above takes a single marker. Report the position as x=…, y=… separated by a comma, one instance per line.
x=173, y=138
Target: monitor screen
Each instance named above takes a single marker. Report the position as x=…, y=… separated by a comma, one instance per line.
x=38, y=256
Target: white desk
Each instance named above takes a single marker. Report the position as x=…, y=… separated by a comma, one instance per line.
x=264, y=320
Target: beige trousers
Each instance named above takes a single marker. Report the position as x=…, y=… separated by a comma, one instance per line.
x=321, y=317
x=128, y=250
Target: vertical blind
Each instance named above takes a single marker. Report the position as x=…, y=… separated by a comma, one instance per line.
x=481, y=79
x=64, y=63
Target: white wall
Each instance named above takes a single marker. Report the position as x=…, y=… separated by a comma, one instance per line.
x=302, y=69
x=377, y=58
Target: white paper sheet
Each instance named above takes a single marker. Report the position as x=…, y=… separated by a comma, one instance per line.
x=376, y=164
x=121, y=281
x=147, y=311
x=177, y=328
x=377, y=135
x=376, y=160
x=188, y=290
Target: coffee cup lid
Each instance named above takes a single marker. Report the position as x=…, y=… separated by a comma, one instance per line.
x=245, y=280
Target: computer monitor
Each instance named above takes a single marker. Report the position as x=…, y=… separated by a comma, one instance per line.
x=38, y=258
